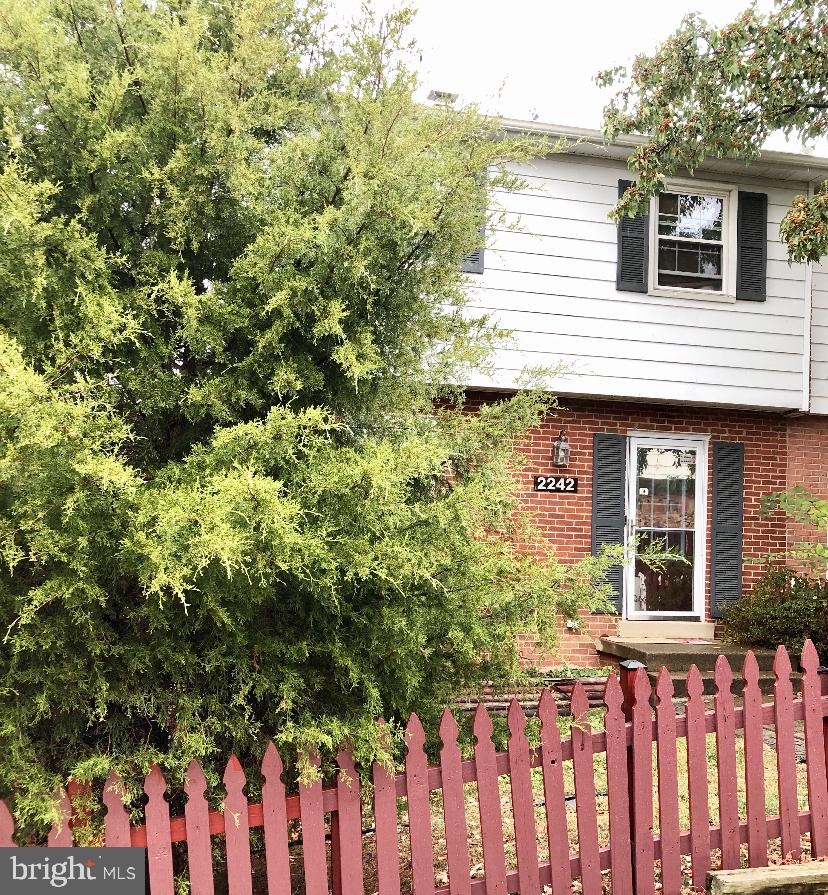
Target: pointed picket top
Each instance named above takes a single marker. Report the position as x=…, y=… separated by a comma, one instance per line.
x=116, y=821
x=547, y=708
x=154, y=783
x=782, y=664
x=664, y=686
x=347, y=767
x=272, y=766
x=6, y=826
x=312, y=758
x=810, y=659
x=641, y=689
x=695, y=684
x=579, y=704
x=195, y=782
x=414, y=733
x=482, y=724
x=448, y=728
x=613, y=694
x=60, y=836
x=750, y=670
x=234, y=779
x=723, y=675
x=516, y=718
x=114, y=792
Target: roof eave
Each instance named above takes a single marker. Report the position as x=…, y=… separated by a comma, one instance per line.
x=799, y=166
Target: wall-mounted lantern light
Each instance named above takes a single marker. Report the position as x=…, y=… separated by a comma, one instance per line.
x=560, y=451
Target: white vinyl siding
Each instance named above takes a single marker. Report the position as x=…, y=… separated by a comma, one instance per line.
x=552, y=283
x=819, y=340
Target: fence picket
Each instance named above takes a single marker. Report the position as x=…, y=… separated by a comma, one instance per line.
x=585, y=811
x=314, y=854
x=726, y=764
x=60, y=836
x=274, y=821
x=387, y=836
x=694, y=711
x=237, y=830
x=6, y=827
x=419, y=809
x=668, y=808
x=523, y=802
x=159, y=844
x=554, y=795
x=197, y=820
x=815, y=750
x=642, y=785
x=488, y=798
x=786, y=755
x=349, y=809
x=617, y=788
x=116, y=820
x=454, y=808
x=754, y=764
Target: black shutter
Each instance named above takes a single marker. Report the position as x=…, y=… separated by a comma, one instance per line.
x=633, y=249
x=752, y=246
x=609, y=461
x=473, y=262
x=726, y=531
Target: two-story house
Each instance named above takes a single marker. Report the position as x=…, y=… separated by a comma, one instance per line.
x=694, y=371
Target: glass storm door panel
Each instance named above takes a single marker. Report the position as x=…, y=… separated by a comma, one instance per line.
x=666, y=500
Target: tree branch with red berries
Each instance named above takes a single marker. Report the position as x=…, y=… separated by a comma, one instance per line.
x=720, y=92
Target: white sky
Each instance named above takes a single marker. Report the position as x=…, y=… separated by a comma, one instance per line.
x=520, y=58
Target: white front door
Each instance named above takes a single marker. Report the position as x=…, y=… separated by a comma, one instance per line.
x=666, y=504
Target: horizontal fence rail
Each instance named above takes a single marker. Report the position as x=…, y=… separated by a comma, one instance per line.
x=650, y=754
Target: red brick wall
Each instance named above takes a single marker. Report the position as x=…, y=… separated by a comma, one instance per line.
x=566, y=518
x=807, y=466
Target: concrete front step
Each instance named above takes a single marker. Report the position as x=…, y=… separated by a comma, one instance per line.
x=679, y=655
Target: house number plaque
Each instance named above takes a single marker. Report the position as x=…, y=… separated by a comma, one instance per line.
x=564, y=483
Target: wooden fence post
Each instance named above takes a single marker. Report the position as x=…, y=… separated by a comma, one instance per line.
x=822, y=671
x=628, y=670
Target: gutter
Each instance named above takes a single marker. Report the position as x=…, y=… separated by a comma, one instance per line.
x=807, y=167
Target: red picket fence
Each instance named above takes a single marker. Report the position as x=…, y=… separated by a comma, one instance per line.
x=641, y=752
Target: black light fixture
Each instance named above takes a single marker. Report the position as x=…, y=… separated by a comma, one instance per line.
x=560, y=450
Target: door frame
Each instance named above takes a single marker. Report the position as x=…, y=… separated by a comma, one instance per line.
x=636, y=439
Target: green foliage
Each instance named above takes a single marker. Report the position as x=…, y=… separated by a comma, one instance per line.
x=230, y=297
x=802, y=507
x=720, y=92
x=783, y=607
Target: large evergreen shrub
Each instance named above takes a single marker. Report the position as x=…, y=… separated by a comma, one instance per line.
x=230, y=295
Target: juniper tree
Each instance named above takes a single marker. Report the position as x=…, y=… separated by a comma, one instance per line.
x=237, y=500
x=718, y=92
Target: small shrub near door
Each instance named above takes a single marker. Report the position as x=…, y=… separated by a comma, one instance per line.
x=783, y=607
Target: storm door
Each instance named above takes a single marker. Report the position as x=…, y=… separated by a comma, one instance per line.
x=666, y=506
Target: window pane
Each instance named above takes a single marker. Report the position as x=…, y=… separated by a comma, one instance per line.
x=691, y=265
x=670, y=589
x=691, y=216
x=666, y=488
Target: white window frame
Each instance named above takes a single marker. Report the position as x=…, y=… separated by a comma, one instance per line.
x=636, y=439
x=730, y=196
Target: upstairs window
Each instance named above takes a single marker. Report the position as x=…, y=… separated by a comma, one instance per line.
x=696, y=240
x=690, y=239
x=693, y=241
